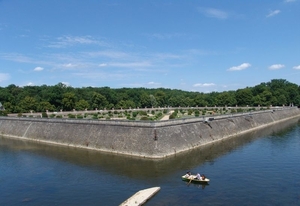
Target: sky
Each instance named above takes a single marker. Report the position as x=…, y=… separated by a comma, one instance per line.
x=204, y=46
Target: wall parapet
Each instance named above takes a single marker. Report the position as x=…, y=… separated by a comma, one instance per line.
x=145, y=123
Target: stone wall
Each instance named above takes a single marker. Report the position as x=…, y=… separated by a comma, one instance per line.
x=144, y=139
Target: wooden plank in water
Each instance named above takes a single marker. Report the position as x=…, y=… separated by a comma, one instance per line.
x=141, y=197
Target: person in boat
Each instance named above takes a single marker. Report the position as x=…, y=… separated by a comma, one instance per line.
x=200, y=177
x=188, y=174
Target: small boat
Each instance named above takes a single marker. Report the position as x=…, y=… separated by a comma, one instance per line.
x=193, y=179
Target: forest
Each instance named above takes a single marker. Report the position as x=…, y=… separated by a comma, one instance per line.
x=61, y=97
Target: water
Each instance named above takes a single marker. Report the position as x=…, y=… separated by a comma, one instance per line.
x=261, y=168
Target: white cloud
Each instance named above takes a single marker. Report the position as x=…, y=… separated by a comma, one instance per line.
x=276, y=66
x=109, y=54
x=38, y=69
x=4, y=77
x=102, y=65
x=289, y=1
x=240, y=67
x=131, y=64
x=69, y=65
x=30, y=84
x=215, y=13
x=273, y=13
x=65, y=41
x=153, y=83
x=296, y=67
x=204, y=85
x=66, y=84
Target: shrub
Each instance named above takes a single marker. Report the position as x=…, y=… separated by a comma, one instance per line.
x=239, y=110
x=158, y=115
x=44, y=115
x=173, y=115
x=3, y=113
x=130, y=118
x=143, y=113
x=79, y=116
x=72, y=116
x=134, y=114
x=144, y=118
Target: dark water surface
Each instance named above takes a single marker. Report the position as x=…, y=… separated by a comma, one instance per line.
x=261, y=168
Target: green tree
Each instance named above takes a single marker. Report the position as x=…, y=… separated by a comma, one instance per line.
x=154, y=103
x=244, y=97
x=28, y=104
x=43, y=106
x=257, y=101
x=81, y=105
x=145, y=100
x=99, y=101
x=68, y=101
x=200, y=101
x=266, y=97
x=226, y=99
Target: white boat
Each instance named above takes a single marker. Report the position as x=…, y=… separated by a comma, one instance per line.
x=194, y=179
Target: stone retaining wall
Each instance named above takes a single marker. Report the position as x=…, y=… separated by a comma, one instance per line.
x=144, y=139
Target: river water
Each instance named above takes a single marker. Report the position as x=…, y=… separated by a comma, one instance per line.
x=260, y=168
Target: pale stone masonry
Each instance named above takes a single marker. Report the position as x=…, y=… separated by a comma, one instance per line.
x=144, y=139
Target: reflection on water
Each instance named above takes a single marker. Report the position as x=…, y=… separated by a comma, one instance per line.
x=118, y=164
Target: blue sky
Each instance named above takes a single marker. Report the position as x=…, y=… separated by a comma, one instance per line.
x=205, y=46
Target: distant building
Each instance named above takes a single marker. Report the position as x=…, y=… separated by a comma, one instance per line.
x=1, y=107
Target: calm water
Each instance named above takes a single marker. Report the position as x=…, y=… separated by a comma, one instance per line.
x=262, y=168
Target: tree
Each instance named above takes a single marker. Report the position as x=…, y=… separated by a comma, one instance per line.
x=68, y=101
x=145, y=100
x=257, y=101
x=154, y=103
x=43, y=106
x=125, y=104
x=266, y=97
x=160, y=97
x=8, y=107
x=200, y=101
x=81, y=105
x=226, y=99
x=244, y=97
x=28, y=104
x=281, y=100
x=99, y=101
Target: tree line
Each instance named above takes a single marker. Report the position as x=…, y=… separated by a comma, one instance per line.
x=59, y=97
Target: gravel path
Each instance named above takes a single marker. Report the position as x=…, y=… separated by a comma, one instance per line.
x=166, y=117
